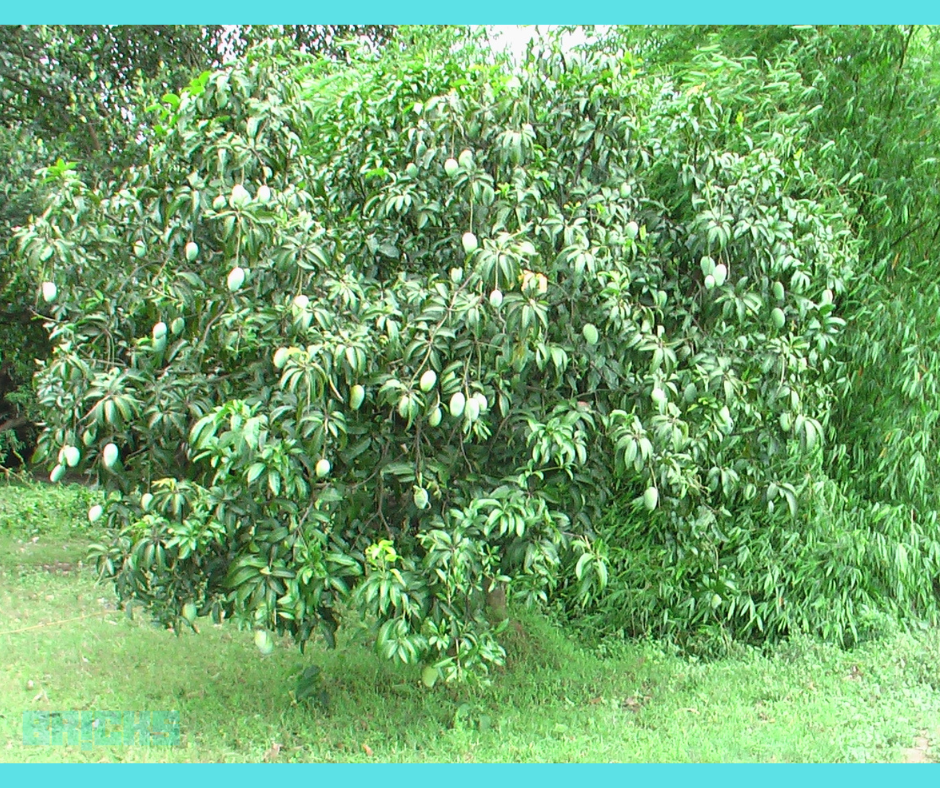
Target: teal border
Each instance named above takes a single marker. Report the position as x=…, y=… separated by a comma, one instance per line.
x=476, y=775
x=478, y=12
x=491, y=12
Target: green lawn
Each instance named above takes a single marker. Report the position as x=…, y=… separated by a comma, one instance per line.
x=64, y=647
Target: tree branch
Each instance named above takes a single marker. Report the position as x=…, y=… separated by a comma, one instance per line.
x=12, y=424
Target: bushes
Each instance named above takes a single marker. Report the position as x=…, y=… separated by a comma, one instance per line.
x=31, y=509
x=868, y=559
x=628, y=290
x=844, y=570
x=22, y=339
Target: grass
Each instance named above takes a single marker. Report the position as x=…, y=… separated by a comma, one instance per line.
x=64, y=646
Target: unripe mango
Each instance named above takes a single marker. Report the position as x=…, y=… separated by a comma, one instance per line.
x=239, y=197
x=110, y=455
x=263, y=642
x=473, y=409
x=280, y=357
x=457, y=404
x=236, y=278
x=404, y=406
x=357, y=395
x=71, y=455
x=428, y=379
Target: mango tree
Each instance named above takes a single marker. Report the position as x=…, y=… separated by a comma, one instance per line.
x=370, y=341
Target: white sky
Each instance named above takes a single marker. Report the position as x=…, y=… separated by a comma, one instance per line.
x=515, y=37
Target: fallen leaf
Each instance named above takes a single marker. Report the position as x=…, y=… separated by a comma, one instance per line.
x=367, y=749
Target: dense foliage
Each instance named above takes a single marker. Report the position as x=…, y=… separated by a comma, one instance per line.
x=84, y=85
x=869, y=101
x=79, y=93
x=377, y=338
x=640, y=331
x=22, y=339
x=873, y=93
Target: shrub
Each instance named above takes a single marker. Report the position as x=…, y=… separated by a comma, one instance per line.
x=625, y=287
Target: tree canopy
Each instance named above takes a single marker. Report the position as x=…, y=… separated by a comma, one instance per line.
x=81, y=93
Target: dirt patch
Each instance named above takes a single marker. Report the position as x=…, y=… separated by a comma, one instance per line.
x=59, y=567
x=920, y=752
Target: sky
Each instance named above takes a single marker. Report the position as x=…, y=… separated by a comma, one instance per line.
x=515, y=37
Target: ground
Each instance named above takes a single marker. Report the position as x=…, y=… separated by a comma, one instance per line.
x=64, y=646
